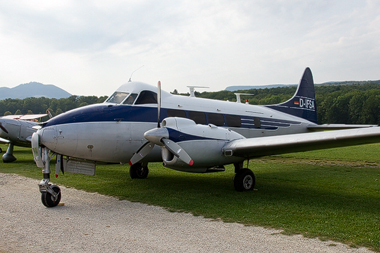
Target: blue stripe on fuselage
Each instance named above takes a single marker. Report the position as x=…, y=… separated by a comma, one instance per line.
x=105, y=112
x=145, y=114
x=178, y=136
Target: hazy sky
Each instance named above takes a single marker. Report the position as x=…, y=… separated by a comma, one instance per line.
x=92, y=47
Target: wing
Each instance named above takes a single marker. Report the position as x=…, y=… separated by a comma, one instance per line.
x=325, y=127
x=263, y=146
x=25, y=117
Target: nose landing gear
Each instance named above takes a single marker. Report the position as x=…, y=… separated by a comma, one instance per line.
x=50, y=194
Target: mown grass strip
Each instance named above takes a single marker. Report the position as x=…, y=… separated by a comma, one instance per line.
x=299, y=193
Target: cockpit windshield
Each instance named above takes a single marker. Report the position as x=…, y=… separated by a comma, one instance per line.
x=145, y=97
x=117, y=97
x=130, y=99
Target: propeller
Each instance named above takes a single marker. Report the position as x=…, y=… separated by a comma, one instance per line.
x=158, y=103
x=3, y=128
x=143, y=151
x=176, y=150
x=159, y=136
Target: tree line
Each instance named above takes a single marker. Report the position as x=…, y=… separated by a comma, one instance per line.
x=55, y=106
x=336, y=104
x=354, y=103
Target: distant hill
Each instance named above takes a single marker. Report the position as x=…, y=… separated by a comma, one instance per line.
x=33, y=89
x=269, y=86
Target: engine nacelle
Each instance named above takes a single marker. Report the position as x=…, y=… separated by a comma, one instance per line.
x=202, y=143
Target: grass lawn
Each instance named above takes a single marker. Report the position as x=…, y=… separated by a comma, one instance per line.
x=330, y=194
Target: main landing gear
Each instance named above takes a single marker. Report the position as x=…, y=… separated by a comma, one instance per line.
x=138, y=170
x=244, y=178
x=8, y=157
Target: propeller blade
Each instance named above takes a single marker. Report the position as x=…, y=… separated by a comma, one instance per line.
x=3, y=128
x=158, y=103
x=177, y=151
x=141, y=153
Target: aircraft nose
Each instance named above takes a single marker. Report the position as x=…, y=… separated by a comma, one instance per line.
x=48, y=137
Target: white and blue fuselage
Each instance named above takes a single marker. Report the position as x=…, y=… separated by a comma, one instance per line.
x=123, y=118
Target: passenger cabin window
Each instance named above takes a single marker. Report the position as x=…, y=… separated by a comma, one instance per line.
x=130, y=99
x=146, y=97
x=176, y=113
x=233, y=121
x=198, y=117
x=117, y=97
x=216, y=119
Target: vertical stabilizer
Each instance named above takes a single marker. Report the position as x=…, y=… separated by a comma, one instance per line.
x=302, y=104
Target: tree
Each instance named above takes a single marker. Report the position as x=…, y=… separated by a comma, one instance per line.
x=58, y=111
x=355, y=107
x=371, y=109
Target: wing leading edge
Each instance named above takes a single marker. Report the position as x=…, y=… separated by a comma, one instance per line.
x=263, y=146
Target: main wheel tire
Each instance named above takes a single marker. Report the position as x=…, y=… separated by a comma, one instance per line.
x=48, y=200
x=244, y=180
x=138, y=171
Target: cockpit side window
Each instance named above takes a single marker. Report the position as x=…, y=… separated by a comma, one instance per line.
x=117, y=97
x=147, y=97
x=130, y=99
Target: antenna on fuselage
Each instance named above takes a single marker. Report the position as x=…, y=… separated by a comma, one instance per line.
x=130, y=78
x=238, y=96
x=192, y=89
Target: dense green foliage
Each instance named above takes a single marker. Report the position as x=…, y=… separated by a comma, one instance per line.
x=330, y=194
x=40, y=105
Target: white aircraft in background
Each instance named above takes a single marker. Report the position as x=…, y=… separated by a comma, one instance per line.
x=139, y=124
x=17, y=130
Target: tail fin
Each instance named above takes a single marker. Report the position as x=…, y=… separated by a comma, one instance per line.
x=302, y=104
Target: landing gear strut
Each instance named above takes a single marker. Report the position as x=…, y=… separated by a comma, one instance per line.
x=8, y=157
x=244, y=179
x=138, y=170
x=50, y=194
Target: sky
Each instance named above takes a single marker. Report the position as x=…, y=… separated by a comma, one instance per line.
x=93, y=47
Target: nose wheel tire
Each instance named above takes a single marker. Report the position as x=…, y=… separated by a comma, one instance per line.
x=48, y=199
x=244, y=180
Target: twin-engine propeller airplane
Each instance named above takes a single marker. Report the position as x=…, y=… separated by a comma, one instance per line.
x=139, y=124
x=17, y=130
